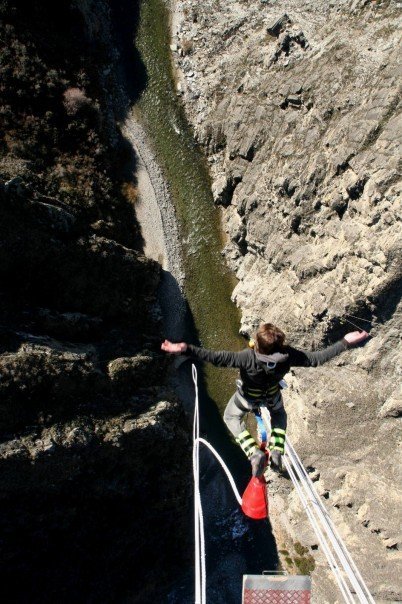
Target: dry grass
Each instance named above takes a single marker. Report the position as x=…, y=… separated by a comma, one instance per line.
x=130, y=191
x=187, y=47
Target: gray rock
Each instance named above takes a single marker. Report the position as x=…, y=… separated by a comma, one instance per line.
x=392, y=407
x=278, y=25
x=130, y=373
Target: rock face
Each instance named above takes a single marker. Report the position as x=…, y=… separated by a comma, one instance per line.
x=77, y=496
x=86, y=424
x=300, y=118
x=44, y=257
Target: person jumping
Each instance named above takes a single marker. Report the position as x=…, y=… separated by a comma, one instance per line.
x=263, y=366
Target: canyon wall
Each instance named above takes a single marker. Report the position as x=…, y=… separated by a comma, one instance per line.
x=86, y=423
x=297, y=106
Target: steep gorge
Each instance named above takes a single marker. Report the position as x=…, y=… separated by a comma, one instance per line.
x=298, y=109
x=299, y=121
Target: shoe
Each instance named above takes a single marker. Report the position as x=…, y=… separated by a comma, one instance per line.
x=258, y=462
x=276, y=461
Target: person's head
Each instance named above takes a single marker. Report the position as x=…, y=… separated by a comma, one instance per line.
x=269, y=339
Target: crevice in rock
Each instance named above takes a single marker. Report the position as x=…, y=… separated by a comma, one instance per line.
x=214, y=139
x=361, y=314
x=375, y=133
x=343, y=166
x=356, y=190
x=225, y=196
x=295, y=224
x=240, y=239
x=340, y=206
x=294, y=101
x=249, y=155
x=386, y=301
x=278, y=25
x=288, y=41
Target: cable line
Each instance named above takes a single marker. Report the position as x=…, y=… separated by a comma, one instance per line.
x=319, y=516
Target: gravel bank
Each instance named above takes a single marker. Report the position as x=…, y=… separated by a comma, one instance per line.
x=156, y=216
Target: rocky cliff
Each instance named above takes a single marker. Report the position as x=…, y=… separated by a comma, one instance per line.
x=297, y=106
x=82, y=400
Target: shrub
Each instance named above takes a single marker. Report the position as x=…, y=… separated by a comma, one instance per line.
x=300, y=549
x=130, y=191
x=75, y=101
x=305, y=565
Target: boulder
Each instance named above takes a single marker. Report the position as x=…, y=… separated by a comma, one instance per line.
x=278, y=25
x=392, y=406
x=44, y=378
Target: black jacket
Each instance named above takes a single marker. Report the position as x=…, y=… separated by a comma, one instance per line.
x=255, y=372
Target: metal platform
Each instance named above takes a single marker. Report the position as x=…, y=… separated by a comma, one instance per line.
x=276, y=589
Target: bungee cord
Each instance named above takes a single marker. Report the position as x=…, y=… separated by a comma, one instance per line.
x=347, y=596
x=359, y=318
x=200, y=571
x=200, y=562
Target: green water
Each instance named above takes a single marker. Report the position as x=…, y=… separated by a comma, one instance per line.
x=208, y=282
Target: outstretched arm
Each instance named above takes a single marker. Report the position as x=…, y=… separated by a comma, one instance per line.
x=220, y=358
x=303, y=358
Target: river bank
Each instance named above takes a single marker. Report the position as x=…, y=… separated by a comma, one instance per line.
x=159, y=228
x=208, y=281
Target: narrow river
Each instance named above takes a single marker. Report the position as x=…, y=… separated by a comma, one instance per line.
x=235, y=545
x=208, y=280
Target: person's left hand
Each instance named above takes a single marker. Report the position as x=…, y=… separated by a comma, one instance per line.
x=355, y=337
x=174, y=348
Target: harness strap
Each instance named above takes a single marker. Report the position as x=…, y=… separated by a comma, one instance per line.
x=240, y=406
x=259, y=393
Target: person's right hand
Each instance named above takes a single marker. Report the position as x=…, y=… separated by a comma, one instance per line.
x=173, y=348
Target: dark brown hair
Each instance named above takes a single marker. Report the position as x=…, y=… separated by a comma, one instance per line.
x=269, y=339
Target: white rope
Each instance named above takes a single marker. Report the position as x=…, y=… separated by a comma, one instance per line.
x=200, y=566
x=340, y=547
x=224, y=466
x=200, y=575
x=336, y=534
x=321, y=539
x=318, y=514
